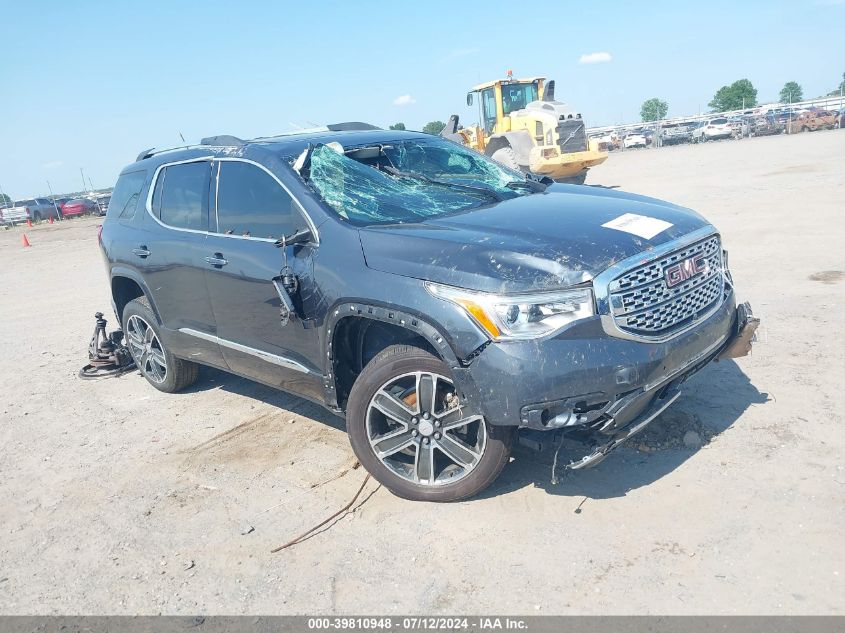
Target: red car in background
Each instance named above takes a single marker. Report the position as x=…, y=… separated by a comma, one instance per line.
x=79, y=206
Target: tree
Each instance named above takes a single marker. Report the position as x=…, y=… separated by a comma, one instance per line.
x=397, y=126
x=740, y=94
x=4, y=199
x=434, y=127
x=654, y=109
x=791, y=92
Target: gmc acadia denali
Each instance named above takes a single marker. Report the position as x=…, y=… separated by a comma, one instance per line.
x=437, y=300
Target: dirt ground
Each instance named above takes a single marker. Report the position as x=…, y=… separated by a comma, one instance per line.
x=118, y=499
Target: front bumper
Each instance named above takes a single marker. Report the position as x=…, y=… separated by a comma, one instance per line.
x=563, y=165
x=584, y=373
x=621, y=386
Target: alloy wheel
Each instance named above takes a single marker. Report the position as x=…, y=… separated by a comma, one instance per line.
x=146, y=349
x=420, y=431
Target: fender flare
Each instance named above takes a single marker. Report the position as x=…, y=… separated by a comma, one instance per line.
x=403, y=318
x=129, y=273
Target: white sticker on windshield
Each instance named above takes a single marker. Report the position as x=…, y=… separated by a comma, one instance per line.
x=639, y=225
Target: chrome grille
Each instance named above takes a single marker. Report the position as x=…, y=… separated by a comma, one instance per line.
x=642, y=303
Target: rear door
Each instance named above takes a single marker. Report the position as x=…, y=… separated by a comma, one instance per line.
x=171, y=252
x=243, y=274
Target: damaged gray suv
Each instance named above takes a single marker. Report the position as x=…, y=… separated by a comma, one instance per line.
x=435, y=299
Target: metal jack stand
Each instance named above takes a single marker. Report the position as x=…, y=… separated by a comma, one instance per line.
x=107, y=355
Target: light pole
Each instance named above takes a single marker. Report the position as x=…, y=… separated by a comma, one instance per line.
x=791, y=91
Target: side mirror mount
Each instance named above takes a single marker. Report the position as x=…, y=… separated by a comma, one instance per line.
x=302, y=236
x=469, y=98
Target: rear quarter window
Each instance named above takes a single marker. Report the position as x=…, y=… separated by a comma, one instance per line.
x=181, y=195
x=127, y=191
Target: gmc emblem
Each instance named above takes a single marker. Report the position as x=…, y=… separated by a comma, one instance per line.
x=683, y=270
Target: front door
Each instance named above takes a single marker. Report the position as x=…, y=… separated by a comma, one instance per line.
x=258, y=336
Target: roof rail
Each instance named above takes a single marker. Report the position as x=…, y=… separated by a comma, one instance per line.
x=225, y=140
x=351, y=125
x=145, y=154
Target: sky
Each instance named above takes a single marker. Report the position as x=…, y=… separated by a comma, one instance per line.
x=91, y=84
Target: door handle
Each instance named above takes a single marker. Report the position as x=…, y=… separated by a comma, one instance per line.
x=217, y=260
x=141, y=252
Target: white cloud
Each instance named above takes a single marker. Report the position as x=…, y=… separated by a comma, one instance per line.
x=53, y=164
x=460, y=52
x=594, y=58
x=404, y=100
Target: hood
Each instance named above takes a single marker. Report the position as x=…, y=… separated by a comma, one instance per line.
x=552, y=239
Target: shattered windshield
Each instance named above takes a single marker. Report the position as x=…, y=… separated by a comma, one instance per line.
x=408, y=181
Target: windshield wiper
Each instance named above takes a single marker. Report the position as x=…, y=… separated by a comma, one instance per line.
x=454, y=185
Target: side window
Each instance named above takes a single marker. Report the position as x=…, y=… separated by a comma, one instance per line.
x=251, y=203
x=124, y=198
x=183, y=198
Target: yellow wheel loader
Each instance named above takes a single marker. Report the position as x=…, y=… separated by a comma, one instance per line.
x=523, y=127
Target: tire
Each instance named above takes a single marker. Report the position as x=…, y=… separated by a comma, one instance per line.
x=162, y=369
x=507, y=157
x=37, y=216
x=577, y=179
x=391, y=383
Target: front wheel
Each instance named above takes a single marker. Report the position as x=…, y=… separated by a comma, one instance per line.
x=507, y=157
x=410, y=430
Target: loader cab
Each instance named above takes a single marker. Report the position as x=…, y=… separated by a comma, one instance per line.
x=498, y=99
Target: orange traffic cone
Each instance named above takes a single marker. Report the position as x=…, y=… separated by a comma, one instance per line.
x=51, y=219
x=29, y=223
x=25, y=241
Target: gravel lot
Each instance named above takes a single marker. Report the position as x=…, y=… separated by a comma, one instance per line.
x=117, y=499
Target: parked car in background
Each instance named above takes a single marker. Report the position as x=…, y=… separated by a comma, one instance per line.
x=38, y=209
x=812, y=120
x=11, y=215
x=634, y=139
x=712, y=130
x=60, y=202
x=603, y=142
x=103, y=204
x=676, y=133
x=739, y=127
x=79, y=206
x=766, y=126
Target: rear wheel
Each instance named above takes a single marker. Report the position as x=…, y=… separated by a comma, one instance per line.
x=162, y=369
x=409, y=429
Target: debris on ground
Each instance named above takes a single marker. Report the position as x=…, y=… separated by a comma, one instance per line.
x=674, y=429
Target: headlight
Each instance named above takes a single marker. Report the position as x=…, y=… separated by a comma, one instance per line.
x=520, y=316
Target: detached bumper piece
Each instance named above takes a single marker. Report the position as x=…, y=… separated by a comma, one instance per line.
x=658, y=406
x=744, y=335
